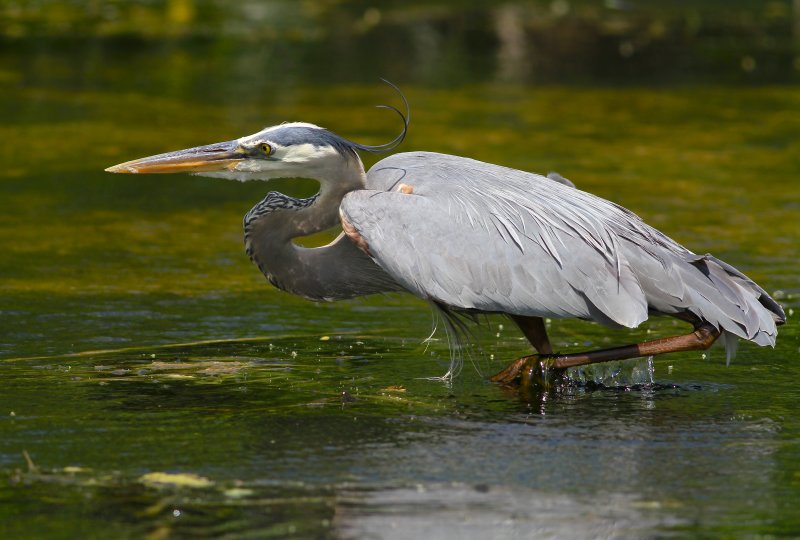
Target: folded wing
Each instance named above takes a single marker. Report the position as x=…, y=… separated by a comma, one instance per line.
x=476, y=236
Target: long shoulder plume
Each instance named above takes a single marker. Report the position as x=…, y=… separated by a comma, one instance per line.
x=406, y=118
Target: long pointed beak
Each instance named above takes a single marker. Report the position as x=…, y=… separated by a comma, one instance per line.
x=222, y=156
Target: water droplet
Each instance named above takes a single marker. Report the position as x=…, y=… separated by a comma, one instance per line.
x=176, y=513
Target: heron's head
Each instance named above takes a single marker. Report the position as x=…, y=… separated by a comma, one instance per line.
x=286, y=150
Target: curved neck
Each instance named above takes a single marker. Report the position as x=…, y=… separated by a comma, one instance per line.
x=323, y=211
x=336, y=271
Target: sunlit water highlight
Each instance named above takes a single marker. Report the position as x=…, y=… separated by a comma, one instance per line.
x=615, y=374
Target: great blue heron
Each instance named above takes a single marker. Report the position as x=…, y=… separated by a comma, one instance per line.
x=474, y=237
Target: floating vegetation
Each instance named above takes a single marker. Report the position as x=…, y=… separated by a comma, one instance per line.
x=137, y=342
x=175, y=480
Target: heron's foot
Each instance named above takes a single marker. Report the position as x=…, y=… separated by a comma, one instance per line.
x=530, y=371
x=510, y=374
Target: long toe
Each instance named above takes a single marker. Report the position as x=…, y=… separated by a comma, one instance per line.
x=511, y=374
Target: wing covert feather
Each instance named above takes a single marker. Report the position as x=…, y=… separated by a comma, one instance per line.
x=478, y=236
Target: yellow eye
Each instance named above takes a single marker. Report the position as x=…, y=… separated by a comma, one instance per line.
x=265, y=148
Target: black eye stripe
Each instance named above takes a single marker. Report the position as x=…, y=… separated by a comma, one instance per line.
x=285, y=136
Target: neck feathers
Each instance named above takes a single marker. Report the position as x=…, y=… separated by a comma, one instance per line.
x=276, y=201
x=336, y=271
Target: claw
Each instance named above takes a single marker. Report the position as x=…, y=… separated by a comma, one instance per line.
x=530, y=371
x=510, y=374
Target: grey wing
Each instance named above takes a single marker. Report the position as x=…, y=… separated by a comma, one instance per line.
x=472, y=235
x=477, y=236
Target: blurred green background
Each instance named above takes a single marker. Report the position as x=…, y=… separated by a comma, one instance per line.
x=137, y=339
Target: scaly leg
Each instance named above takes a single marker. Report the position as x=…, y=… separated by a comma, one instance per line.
x=702, y=338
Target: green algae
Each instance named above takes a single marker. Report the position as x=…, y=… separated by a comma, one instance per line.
x=136, y=338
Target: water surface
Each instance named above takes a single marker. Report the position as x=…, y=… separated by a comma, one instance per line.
x=136, y=338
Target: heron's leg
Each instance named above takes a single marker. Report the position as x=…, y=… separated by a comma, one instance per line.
x=701, y=338
x=535, y=331
x=533, y=328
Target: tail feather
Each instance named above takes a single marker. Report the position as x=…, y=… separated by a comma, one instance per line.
x=764, y=299
x=676, y=280
x=731, y=344
x=740, y=307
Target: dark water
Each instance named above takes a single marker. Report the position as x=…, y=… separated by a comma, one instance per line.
x=162, y=389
